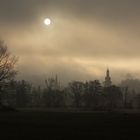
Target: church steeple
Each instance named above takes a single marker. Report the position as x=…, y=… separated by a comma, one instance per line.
x=107, y=73
x=107, y=82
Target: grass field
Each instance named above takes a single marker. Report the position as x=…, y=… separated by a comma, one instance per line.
x=69, y=125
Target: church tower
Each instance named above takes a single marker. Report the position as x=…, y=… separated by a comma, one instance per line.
x=107, y=82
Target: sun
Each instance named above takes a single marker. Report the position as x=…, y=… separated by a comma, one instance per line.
x=47, y=21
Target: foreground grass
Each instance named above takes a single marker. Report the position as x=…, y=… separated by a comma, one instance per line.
x=64, y=125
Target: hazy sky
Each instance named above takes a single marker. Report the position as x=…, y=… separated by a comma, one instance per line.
x=85, y=37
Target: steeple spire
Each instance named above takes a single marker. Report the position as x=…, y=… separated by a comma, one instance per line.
x=107, y=82
x=107, y=73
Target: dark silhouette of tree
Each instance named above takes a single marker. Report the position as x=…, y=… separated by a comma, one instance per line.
x=93, y=90
x=113, y=97
x=36, y=95
x=77, y=89
x=23, y=90
x=53, y=98
x=7, y=63
x=53, y=95
x=125, y=97
x=9, y=94
x=137, y=99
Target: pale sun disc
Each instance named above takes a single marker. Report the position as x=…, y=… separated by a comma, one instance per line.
x=47, y=21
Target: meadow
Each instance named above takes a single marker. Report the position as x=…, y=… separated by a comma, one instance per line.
x=23, y=124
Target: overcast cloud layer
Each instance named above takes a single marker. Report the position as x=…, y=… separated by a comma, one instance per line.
x=86, y=37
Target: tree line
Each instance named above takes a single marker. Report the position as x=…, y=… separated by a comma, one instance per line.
x=89, y=95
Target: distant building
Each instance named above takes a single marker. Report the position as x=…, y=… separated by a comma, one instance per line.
x=107, y=81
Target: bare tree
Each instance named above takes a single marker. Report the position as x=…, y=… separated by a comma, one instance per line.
x=77, y=89
x=7, y=71
x=7, y=63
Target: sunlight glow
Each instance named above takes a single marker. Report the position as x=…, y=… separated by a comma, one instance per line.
x=47, y=21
